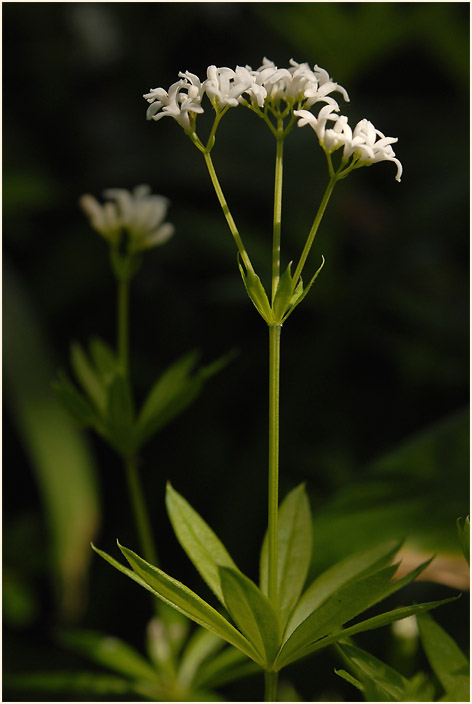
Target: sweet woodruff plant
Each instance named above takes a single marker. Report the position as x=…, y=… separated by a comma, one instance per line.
x=278, y=620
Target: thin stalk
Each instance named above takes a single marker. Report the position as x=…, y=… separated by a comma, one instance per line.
x=138, y=504
x=123, y=323
x=143, y=524
x=277, y=214
x=271, y=680
x=227, y=213
x=314, y=228
x=273, y=497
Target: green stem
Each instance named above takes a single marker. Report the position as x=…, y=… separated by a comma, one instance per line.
x=123, y=323
x=314, y=228
x=227, y=213
x=277, y=212
x=140, y=512
x=271, y=680
x=143, y=525
x=273, y=498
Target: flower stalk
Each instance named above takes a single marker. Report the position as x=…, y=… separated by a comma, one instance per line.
x=277, y=212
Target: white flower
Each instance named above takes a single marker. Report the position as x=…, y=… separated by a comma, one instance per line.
x=225, y=86
x=139, y=215
x=371, y=150
x=299, y=83
x=362, y=144
x=183, y=97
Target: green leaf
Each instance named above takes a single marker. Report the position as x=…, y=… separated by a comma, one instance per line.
x=104, y=359
x=187, y=602
x=256, y=292
x=447, y=660
x=387, y=684
x=227, y=666
x=463, y=530
x=60, y=458
x=173, y=392
x=283, y=295
x=198, y=540
x=110, y=652
x=294, y=551
x=201, y=646
x=90, y=381
x=75, y=403
x=343, y=573
x=303, y=292
x=368, y=625
x=339, y=608
x=252, y=612
x=349, y=678
x=69, y=682
x=120, y=414
x=419, y=689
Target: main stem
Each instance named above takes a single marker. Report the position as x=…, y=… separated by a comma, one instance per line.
x=138, y=504
x=122, y=326
x=271, y=679
x=226, y=211
x=141, y=516
x=273, y=498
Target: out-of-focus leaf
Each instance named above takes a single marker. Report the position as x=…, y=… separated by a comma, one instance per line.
x=59, y=455
x=419, y=689
x=18, y=599
x=120, y=415
x=198, y=540
x=294, y=550
x=110, y=652
x=403, y=496
x=79, y=682
x=449, y=663
x=201, y=646
x=90, y=381
x=229, y=665
x=173, y=392
x=463, y=529
x=104, y=359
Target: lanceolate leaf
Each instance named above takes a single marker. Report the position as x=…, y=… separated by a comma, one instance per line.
x=342, y=606
x=120, y=414
x=374, y=675
x=200, y=543
x=227, y=666
x=190, y=604
x=110, y=652
x=349, y=570
x=89, y=379
x=449, y=663
x=173, y=392
x=368, y=625
x=252, y=612
x=295, y=540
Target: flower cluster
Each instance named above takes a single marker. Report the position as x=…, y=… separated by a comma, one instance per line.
x=268, y=85
x=361, y=143
x=138, y=215
x=283, y=92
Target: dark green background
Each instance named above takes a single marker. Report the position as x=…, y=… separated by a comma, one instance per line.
x=377, y=353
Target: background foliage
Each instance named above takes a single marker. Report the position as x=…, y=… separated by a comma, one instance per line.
x=374, y=364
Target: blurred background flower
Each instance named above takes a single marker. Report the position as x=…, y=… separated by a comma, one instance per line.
x=374, y=364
